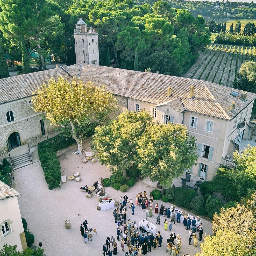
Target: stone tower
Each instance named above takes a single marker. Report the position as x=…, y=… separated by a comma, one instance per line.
x=86, y=44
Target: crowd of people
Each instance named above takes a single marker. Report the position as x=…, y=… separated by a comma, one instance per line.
x=135, y=239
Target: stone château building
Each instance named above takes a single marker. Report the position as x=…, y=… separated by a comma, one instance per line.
x=216, y=115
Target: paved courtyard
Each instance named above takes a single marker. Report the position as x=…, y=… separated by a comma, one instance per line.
x=46, y=210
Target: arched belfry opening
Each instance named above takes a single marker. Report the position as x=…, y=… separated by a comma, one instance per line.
x=14, y=141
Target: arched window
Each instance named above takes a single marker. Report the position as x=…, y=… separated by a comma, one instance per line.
x=10, y=117
x=6, y=228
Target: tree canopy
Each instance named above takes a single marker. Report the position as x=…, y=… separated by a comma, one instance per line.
x=75, y=106
x=133, y=139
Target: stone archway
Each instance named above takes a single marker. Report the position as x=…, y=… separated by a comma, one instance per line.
x=14, y=141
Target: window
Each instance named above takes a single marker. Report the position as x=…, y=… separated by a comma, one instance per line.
x=168, y=119
x=6, y=228
x=10, y=117
x=202, y=171
x=137, y=107
x=206, y=151
x=193, y=122
x=209, y=126
x=154, y=112
x=92, y=40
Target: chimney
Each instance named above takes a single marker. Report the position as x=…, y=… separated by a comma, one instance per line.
x=243, y=96
x=169, y=91
x=192, y=92
x=233, y=105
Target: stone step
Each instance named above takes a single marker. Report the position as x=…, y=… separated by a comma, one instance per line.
x=21, y=161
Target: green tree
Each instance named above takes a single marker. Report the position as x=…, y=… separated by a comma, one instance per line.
x=4, y=72
x=24, y=22
x=116, y=143
x=77, y=107
x=165, y=151
x=9, y=250
x=133, y=140
x=238, y=27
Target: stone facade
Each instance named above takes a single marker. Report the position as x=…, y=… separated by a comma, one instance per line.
x=86, y=44
x=28, y=126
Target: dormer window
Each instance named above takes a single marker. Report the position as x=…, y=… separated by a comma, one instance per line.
x=9, y=116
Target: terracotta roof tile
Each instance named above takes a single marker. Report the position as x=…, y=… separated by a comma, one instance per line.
x=210, y=99
x=6, y=191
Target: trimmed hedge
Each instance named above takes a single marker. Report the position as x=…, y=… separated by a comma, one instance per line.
x=156, y=194
x=49, y=161
x=106, y=182
x=131, y=182
x=183, y=197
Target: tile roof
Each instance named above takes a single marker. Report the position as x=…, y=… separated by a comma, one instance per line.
x=210, y=99
x=6, y=191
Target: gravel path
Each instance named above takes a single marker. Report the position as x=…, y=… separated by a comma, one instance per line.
x=46, y=210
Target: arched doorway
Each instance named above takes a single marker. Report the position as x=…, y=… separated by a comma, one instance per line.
x=13, y=141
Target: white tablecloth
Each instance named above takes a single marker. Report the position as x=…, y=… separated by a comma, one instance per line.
x=148, y=226
x=105, y=205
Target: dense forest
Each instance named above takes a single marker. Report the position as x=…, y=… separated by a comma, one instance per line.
x=131, y=35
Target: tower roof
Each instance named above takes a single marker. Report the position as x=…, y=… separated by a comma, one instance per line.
x=81, y=22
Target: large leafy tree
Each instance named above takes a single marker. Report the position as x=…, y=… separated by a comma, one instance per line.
x=4, y=72
x=234, y=233
x=26, y=23
x=116, y=144
x=133, y=139
x=165, y=151
x=76, y=106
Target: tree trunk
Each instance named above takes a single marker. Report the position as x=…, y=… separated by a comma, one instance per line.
x=25, y=57
x=41, y=58
x=78, y=141
x=115, y=53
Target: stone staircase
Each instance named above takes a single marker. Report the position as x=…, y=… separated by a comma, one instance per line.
x=21, y=161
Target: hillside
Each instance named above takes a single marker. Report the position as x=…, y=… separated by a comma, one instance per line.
x=220, y=63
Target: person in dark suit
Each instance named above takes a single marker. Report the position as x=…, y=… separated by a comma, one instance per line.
x=104, y=249
x=108, y=243
x=82, y=230
x=194, y=222
x=188, y=223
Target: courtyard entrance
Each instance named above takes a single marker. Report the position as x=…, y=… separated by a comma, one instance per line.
x=14, y=141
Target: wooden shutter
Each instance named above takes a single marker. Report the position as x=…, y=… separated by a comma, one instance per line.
x=210, y=153
x=199, y=170
x=171, y=119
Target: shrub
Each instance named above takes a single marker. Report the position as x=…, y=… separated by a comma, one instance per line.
x=212, y=204
x=106, y=182
x=25, y=224
x=197, y=204
x=117, y=177
x=49, y=161
x=165, y=199
x=183, y=197
x=6, y=172
x=131, y=182
x=124, y=188
x=116, y=186
x=207, y=188
x=30, y=238
x=133, y=172
x=169, y=193
x=156, y=194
